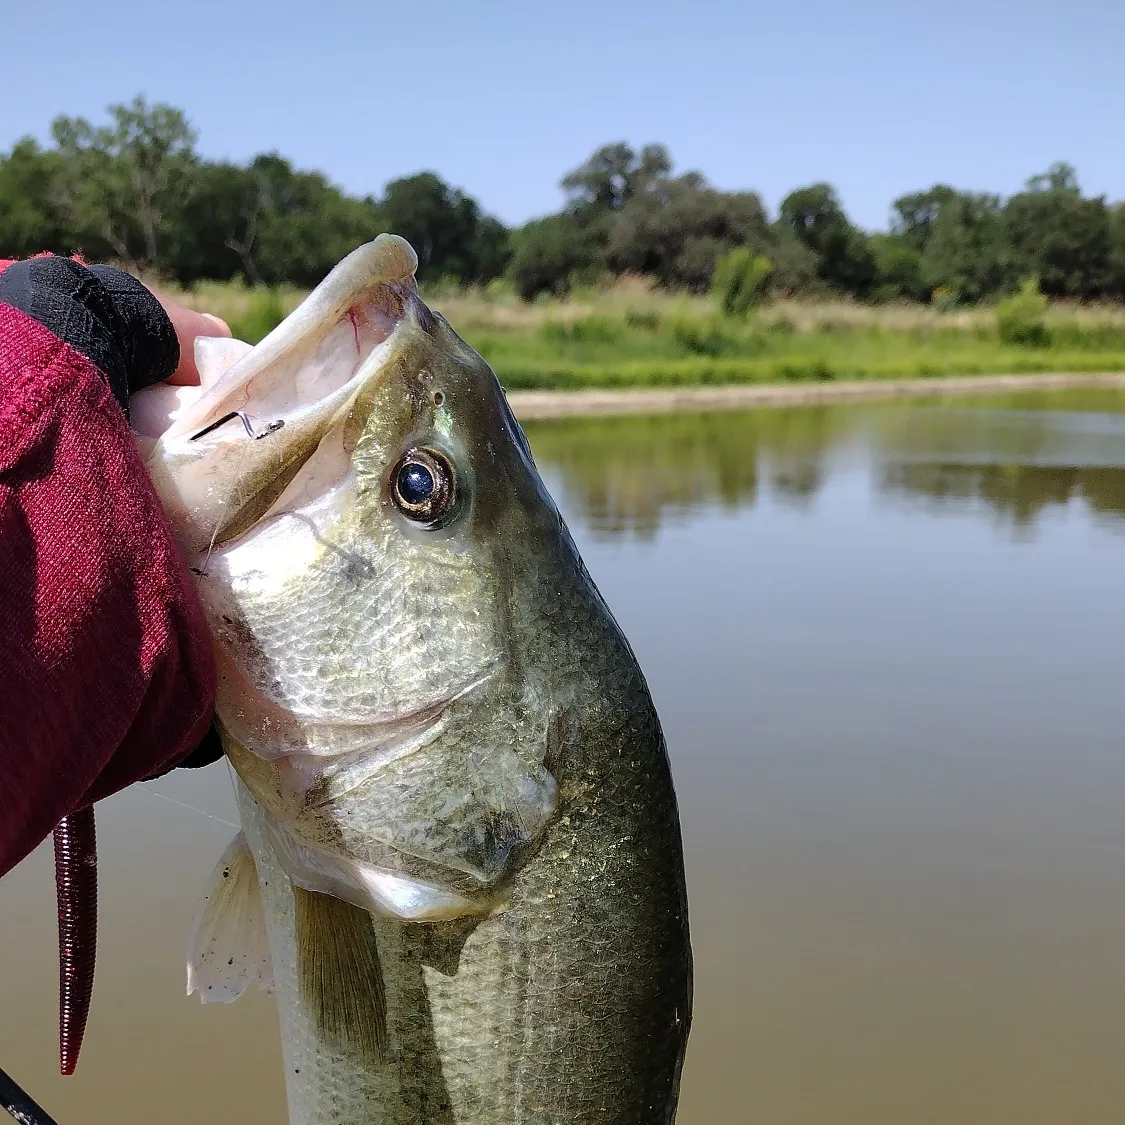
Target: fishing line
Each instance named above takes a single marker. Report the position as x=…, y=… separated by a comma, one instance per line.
x=190, y=808
x=20, y=1104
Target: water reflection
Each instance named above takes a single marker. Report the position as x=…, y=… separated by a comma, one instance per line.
x=1018, y=494
x=632, y=475
x=1019, y=462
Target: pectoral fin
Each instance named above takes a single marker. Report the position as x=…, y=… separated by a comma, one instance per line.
x=227, y=947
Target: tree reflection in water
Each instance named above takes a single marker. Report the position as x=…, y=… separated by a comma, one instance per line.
x=1021, y=456
x=632, y=474
x=1019, y=494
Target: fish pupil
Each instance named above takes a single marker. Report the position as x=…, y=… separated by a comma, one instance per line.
x=415, y=483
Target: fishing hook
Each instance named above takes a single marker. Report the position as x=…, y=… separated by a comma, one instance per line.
x=20, y=1105
x=272, y=428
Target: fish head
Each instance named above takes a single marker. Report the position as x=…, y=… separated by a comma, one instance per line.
x=392, y=592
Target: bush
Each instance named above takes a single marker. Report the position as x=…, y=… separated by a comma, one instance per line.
x=441, y=288
x=1019, y=319
x=898, y=270
x=740, y=280
x=643, y=319
x=943, y=298
x=588, y=330
x=498, y=289
x=549, y=254
x=701, y=338
x=1071, y=333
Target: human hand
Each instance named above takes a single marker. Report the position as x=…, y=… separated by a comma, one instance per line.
x=134, y=336
x=188, y=326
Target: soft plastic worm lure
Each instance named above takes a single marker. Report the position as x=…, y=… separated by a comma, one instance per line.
x=76, y=884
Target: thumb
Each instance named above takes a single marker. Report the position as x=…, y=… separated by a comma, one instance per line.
x=189, y=325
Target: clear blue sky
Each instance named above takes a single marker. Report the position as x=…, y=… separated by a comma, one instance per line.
x=501, y=97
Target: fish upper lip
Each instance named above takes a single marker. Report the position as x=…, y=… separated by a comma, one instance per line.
x=385, y=265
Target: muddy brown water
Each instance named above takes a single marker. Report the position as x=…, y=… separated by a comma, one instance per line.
x=886, y=642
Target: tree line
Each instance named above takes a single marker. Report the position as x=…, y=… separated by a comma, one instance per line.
x=135, y=190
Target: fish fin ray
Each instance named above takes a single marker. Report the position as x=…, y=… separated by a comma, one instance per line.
x=228, y=948
x=340, y=974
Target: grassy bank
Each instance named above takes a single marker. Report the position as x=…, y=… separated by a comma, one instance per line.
x=633, y=336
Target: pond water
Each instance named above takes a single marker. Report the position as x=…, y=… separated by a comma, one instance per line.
x=886, y=645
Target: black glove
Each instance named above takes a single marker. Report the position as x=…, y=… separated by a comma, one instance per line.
x=102, y=312
x=117, y=324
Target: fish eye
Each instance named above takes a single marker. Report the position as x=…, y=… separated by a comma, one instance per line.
x=423, y=486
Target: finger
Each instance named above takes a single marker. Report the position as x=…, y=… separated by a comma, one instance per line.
x=189, y=325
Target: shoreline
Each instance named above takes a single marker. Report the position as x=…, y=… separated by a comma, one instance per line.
x=543, y=405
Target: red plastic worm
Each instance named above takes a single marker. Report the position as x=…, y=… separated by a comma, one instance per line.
x=76, y=883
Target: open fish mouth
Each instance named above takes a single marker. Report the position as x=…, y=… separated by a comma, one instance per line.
x=260, y=412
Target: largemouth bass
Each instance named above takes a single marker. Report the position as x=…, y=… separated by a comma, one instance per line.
x=460, y=868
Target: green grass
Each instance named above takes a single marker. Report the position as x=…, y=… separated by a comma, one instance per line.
x=633, y=336
x=600, y=351
x=251, y=312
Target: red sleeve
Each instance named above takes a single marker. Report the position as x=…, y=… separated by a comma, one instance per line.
x=106, y=672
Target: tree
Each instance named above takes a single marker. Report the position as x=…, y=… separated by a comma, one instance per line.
x=916, y=213
x=218, y=232
x=1060, y=177
x=1117, y=249
x=967, y=252
x=676, y=230
x=491, y=250
x=134, y=190
x=29, y=221
x=547, y=253
x=121, y=184
x=613, y=175
x=898, y=269
x=794, y=264
x=1059, y=237
x=815, y=217
x=446, y=228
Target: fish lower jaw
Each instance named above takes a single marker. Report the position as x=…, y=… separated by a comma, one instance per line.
x=362, y=884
